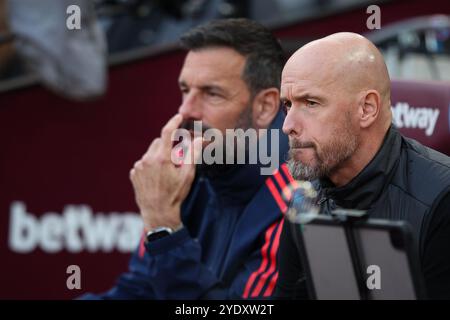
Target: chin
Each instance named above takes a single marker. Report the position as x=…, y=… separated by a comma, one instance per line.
x=305, y=156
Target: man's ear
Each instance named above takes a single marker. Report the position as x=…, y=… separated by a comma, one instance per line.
x=265, y=107
x=370, y=106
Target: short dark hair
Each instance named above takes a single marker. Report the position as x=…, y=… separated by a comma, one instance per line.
x=263, y=52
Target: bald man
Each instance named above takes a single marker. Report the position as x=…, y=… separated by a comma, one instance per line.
x=336, y=93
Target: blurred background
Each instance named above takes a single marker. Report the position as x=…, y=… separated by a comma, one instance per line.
x=79, y=106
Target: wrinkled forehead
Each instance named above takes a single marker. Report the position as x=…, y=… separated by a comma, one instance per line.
x=308, y=79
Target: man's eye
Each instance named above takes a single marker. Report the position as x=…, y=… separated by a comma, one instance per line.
x=311, y=103
x=286, y=106
x=212, y=94
x=184, y=90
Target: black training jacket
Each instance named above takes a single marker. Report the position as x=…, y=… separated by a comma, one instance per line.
x=404, y=181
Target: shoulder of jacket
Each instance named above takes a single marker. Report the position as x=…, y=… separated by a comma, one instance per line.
x=422, y=173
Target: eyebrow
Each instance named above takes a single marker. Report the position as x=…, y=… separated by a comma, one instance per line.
x=303, y=96
x=306, y=96
x=183, y=84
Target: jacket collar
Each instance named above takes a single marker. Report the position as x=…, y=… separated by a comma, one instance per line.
x=364, y=189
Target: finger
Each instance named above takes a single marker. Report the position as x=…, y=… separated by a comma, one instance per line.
x=137, y=165
x=152, y=151
x=178, y=154
x=168, y=131
x=193, y=154
x=154, y=145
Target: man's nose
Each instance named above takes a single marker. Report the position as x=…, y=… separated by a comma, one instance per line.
x=190, y=107
x=292, y=124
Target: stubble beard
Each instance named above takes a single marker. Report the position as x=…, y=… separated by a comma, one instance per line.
x=330, y=157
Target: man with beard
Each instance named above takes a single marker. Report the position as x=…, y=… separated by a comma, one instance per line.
x=212, y=233
x=336, y=92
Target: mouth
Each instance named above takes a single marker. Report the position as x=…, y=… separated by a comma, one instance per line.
x=301, y=148
x=301, y=145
